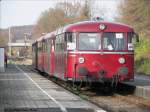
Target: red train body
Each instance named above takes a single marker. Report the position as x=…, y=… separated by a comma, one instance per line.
x=87, y=51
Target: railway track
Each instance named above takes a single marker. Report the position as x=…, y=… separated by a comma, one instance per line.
x=120, y=103
x=120, y=100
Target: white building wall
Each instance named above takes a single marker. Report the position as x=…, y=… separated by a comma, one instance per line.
x=2, y=64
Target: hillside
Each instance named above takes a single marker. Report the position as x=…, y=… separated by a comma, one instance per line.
x=17, y=34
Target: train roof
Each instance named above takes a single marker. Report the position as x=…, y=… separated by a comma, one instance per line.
x=89, y=26
x=94, y=26
x=40, y=39
x=49, y=35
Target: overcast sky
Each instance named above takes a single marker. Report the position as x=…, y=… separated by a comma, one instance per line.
x=26, y=12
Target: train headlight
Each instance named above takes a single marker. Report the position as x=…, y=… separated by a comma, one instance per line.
x=102, y=26
x=121, y=60
x=81, y=60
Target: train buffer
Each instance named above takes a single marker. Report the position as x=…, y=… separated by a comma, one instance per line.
x=22, y=90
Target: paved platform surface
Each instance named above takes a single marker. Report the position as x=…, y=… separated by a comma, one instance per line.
x=26, y=91
x=142, y=86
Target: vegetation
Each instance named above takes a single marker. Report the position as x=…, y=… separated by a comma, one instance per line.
x=63, y=13
x=137, y=14
x=3, y=38
x=142, y=59
x=132, y=12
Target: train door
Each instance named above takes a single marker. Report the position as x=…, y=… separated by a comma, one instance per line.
x=33, y=55
x=40, y=56
x=60, y=56
x=63, y=56
x=45, y=55
x=36, y=55
x=70, y=40
x=49, y=55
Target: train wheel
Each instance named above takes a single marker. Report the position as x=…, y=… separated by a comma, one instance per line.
x=108, y=89
x=74, y=86
x=79, y=85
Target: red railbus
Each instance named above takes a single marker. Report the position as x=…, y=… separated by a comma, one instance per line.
x=87, y=51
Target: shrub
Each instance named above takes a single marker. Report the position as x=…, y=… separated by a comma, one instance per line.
x=142, y=57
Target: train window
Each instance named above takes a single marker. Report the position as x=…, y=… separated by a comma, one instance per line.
x=132, y=39
x=39, y=46
x=130, y=36
x=89, y=41
x=60, y=45
x=70, y=38
x=43, y=46
x=57, y=44
x=113, y=41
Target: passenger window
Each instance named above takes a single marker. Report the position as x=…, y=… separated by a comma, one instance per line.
x=60, y=44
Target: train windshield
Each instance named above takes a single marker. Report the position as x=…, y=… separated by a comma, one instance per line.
x=89, y=41
x=113, y=41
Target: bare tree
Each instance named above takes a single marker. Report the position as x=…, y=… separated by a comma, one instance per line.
x=3, y=37
x=137, y=14
x=64, y=13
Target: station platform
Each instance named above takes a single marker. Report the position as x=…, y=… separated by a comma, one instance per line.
x=22, y=90
x=141, y=85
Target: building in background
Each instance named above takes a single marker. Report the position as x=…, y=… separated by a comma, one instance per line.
x=20, y=41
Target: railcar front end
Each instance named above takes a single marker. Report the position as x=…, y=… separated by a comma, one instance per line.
x=101, y=55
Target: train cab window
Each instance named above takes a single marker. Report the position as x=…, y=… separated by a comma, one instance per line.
x=89, y=41
x=113, y=41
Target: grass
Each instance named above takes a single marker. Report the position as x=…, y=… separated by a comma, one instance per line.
x=142, y=57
